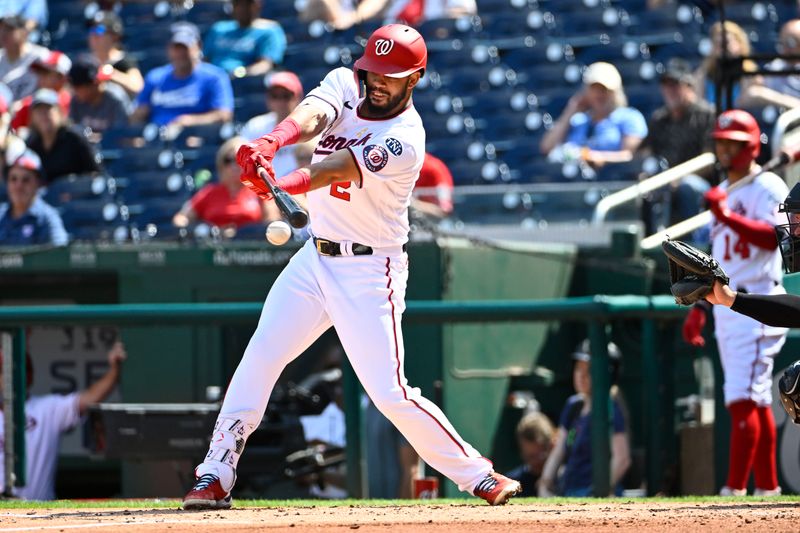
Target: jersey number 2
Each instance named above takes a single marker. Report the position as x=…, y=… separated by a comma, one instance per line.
x=337, y=190
x=740, y=248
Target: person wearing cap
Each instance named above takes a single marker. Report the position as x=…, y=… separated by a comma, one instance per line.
x=597, y=126
x=433, y=192
x=781, y=91
x=33, y=13
x=186, y=91
x=96, y=106
x=27, y=219
x=247, y=45
x=105, y=44
x=284, y=92
x=678, y=131
x=573, y=441
x=63, y=150
x=51, y=73
x=17, y=54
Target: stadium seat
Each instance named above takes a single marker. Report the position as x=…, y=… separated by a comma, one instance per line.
x=78, y=215
x=72, y=188
x=157, y=184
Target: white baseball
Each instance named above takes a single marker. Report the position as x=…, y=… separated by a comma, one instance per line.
x=278, y=232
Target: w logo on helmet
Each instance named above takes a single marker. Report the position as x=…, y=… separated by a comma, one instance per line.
x=383, y=46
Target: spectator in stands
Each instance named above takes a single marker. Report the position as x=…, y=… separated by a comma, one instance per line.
x=535, y=435
x=51, y=73
x=710, y=75
x=26, y=219
x=16, y=57
x=677, y=132
x=11, y=146
x=781, y=91
x=435, y=189
x=32, y=12
x=573, y=443
x=95, y=106
x=63, y=151
x=48, y=416
x=247, y=45
x=284, y=92
x=105, y=44
x=597, y=126
x=343, y=14
x=226, y=203
x=186, y=91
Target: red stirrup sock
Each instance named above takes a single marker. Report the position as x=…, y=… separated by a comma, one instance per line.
x=744, y=438
x=764, y=466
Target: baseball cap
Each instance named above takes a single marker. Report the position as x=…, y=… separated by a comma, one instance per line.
x=679, y=70
x=13, y=21
x=287, y=80
x=45, y=97
x=603, y=73
x=54, y=61
x=29, y=160
x=105, y=21
x=583, y=352
x=185, y=33
x=86, y=71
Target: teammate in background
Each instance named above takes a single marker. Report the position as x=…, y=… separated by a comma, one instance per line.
x=573, y=441
x=435, y=186
x=47, y=417
x=535, y=436
x=743, y=241
x=353, y=273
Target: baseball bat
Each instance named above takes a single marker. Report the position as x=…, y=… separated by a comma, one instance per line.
x=787, y=156
x=296, y=215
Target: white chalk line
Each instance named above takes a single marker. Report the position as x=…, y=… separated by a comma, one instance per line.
x=131, y=523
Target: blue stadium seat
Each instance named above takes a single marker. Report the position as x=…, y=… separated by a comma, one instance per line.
x=97, y=212
x=251, y=232
x=628, y=171
x=132, y=160
x=158, y=184
x=157, y=211
x=71, y=188
x=248, y=85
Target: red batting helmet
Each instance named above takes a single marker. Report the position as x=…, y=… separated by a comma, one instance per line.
x=738, y=125
x=394, y=50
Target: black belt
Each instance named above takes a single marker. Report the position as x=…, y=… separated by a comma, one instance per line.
x=332, y=248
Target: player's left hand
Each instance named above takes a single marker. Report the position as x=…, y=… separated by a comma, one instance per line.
x=717, y=200
x=117, y=354
x=257, y=152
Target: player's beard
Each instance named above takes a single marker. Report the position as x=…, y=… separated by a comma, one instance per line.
x=392, y=105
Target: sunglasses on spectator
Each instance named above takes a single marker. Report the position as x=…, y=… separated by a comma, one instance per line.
x=13, y=178
x=228, y=159
x=280, y=95
x=100, y=29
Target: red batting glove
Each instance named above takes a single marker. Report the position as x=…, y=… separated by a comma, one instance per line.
x=717, y=200
x=254, y=182
x=257, y=153
x=693, y=327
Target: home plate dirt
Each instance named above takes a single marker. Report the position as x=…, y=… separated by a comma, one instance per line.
x=607, y=515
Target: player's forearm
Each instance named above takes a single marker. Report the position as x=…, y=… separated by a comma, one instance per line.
x=310, y=119
x=756, y=232
x=259, y=68
x=100, y=389
x=777, y=310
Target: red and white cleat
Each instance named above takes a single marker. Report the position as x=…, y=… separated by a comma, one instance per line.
x=207, y=493
x=496, y=488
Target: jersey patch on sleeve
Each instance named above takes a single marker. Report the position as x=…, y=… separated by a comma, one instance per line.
x=394, y=146
x=375, y=157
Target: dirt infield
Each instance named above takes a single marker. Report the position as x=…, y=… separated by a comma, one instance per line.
x=618, y=515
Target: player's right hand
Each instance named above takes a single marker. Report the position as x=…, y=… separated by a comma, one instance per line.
x=253, y=181
x=256, y=152
x=693, y=327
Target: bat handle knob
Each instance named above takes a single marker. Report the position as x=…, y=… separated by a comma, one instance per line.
x=298, y=219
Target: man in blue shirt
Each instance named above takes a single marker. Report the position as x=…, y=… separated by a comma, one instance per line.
x=186, y=91
x=247, y=45
x=27, y=219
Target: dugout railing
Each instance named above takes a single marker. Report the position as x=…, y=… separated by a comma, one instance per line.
x=596, y=311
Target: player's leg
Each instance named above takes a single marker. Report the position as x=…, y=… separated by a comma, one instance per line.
x=366, y=314
x=745, y=431
x=765, y=468
x=291, y=319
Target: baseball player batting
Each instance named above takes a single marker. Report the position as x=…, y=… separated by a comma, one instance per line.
x=352, y=274
x=743, y=241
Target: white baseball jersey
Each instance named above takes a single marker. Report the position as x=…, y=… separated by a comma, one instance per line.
x=749, y=266
x=389, y=154
x=46, y=418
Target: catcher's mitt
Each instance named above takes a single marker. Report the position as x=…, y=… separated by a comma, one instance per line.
x=691, y=271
